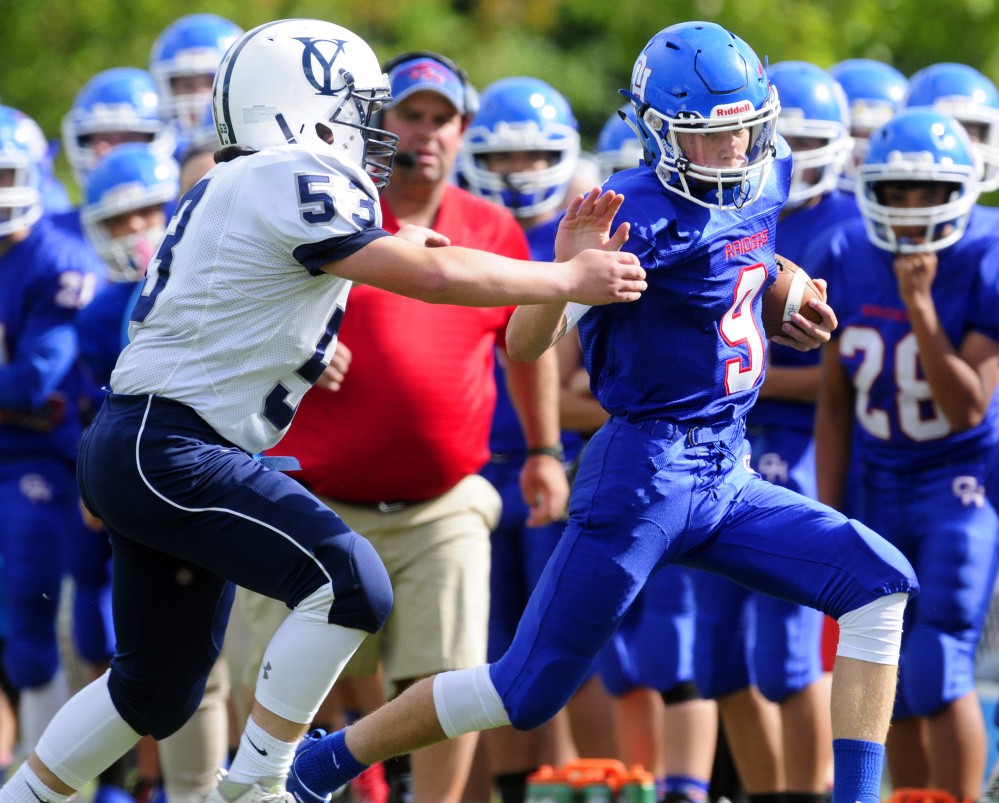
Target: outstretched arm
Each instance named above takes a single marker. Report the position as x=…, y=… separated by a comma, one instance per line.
x=587, y=224
x=453, y=275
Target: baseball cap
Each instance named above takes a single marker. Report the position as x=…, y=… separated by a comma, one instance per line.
x=424, y=74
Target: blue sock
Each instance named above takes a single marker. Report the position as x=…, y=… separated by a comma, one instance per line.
x=858, y=767
x=693, y=789
x=327, y=765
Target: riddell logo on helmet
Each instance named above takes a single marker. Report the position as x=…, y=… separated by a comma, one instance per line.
x=732, y=108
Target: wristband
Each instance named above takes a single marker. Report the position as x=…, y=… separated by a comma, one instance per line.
x=555, y=451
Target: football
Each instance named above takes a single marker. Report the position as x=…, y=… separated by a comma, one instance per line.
x=789, y=294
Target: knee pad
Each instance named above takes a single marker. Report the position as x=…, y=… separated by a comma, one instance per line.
x=936, y=669
x=30, y=663
x=362, y=592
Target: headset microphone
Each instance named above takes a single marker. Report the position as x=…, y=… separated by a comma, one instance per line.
x=405, y=159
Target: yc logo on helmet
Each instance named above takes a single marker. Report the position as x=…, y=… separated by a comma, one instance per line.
x=312, y=57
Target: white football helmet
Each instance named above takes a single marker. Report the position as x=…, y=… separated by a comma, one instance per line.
x=309, y=82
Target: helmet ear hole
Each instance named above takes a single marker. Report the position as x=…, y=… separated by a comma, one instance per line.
x=325, y=133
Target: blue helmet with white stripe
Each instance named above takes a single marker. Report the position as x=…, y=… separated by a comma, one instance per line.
x=516, y=115
x=874, y=91
x=970, y=98
x=813, y=112
x=121, y=102
x=20, y=193
x=129, y=178
x=618, y=146
x=190, y=47
x=918, y=145
x=698, y=78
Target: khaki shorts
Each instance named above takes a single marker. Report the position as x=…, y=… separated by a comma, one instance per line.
x=437, y=555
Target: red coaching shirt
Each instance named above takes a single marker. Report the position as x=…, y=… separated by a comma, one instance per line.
x=413, y=416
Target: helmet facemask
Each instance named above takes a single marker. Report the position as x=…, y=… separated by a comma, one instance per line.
x=944, y=224
x=722, y=188
x=21, y=203
x=816, y=170
x=379, y=146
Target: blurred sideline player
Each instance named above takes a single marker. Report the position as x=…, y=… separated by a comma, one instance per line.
x=782, y=753
x=45, y=277
x=666, y=479
x=182, y=62
x=115, y=106
x=972, y=99
x=648, y=665
x=521, y=151
x=874, y=91
x=913, y=369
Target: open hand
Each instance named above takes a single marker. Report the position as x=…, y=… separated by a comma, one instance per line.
x=587, y=224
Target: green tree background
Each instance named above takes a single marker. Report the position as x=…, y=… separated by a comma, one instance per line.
x=584, y=48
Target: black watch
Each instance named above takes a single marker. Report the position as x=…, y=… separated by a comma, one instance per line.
x=555, y=451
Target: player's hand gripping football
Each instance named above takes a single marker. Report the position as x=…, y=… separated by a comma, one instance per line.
x=603, y=275
x=803, y=334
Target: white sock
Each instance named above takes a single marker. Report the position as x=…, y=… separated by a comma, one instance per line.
x=260, y=755
x=37, y=708
x=26, y=787
x=86, y=737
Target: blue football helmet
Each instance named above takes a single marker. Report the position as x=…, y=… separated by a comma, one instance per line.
x=121, y=100
x=130, y=177
x=190, y=46
x=812, y=106
x=20, y=203
x=874, y=91
x=918, y=145
x=697, y=78
x=521, y=114
x=971, y=99
x=618, y=146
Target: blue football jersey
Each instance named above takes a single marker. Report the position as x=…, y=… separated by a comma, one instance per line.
x=797, y=231
x=102, y=329
x=692, y=348
x=506, y=435
x=44, y=280
x=898, y=423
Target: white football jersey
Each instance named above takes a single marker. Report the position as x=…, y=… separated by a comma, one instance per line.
x=235, y=318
